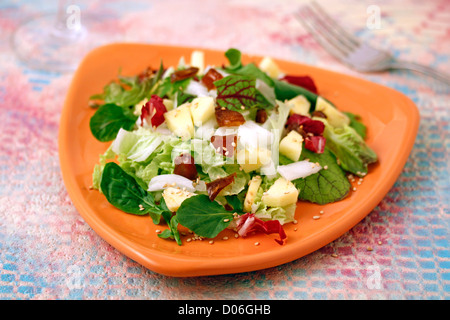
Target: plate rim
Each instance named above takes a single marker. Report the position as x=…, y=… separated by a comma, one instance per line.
x=168, y=265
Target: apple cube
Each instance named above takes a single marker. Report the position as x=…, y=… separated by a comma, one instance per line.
x=335, y=118
x=251, y=160
x=299, y=105
x=280, y=194
x=270, y=67
x=174, y=197
x=291, y=145
x=251, y=193
x=179, y=121
x=202, y=110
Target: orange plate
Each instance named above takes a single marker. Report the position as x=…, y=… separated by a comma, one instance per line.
x=392, y=120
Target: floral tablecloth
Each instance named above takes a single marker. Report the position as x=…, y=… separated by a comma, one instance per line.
x=400, y=250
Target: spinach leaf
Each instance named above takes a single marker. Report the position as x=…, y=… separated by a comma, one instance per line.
x=172, y=222
x=108, y=119
x=123, y=192
x=234, y=57
x=327, y=185
x=204, y=217
x=249, y=70
x=287, y=91
x=252, y=71
x=236, y=201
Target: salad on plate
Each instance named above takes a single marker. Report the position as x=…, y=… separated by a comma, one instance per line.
x=236, y=146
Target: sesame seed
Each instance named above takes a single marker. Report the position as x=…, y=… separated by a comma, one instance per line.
x=354, y=188
x=295, y=222
x=226, y=220
x=325, y=167
x=242, y=107
x=225, y=238
x=379, y=242
x=236, y=235
x=334, y=255
x=256, y=243
x=321, y=211
x=233, y=144
x=369, y=248
x=316, y=217
x=295, y=229
x=211, y=242
x=188, y=239
x=158, y=231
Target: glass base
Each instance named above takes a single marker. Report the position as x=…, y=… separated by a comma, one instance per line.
x=41, y=44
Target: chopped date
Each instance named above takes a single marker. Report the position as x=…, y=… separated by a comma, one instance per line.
x=318, y=114
x=228, y=118
x=214, y=187
x=226, y=145
x=209, y=78
x=185, y=166
x=183, y=74
x=261, y=116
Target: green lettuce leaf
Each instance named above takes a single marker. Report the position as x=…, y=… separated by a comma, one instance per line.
x=350, y=148
x=284, y=214
x=355, y=123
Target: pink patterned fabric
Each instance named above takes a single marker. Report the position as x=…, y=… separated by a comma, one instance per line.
x=399, y=251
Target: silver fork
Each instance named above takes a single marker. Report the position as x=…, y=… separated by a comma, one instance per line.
x=350, y=50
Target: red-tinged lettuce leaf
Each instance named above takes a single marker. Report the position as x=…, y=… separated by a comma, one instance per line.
x=302, y=81
x=315, y=143
x=153, y=111
x=236, y=91
x=248, y=223
x=309, y=125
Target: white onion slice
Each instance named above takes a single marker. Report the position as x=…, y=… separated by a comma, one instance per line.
x=300, y=169
x=197, y=89
x=164, y=181
x=253, y=136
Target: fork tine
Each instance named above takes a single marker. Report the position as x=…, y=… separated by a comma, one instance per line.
x=334, y=27
x=335, y=38
x=329, y=44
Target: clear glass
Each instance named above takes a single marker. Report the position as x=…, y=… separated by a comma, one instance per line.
x=57, y=42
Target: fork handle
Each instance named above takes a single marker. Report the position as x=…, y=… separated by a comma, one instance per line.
x=395, y=64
